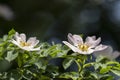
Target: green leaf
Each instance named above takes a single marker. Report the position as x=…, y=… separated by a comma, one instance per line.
x=94, y=75
x=54, y=53
x=10, y=56
x=112, y=62
x=5, y=37
x=41, y=63
x=101, y=59
x=88, y=65
x=70, y=76
x=67, y=62
x=11, y=32
x=97, y=66
x=117, y=72
x=105, y=70
x=20, y=60
x=42, y=77
x=14, y=75
x=106, y=77
x=52, y=71
x=27, y=75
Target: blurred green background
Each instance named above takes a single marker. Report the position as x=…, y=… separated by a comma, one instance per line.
x=52, y=20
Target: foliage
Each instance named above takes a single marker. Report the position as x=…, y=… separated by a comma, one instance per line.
x=18, y=64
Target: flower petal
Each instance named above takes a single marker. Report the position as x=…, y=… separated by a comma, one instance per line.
x=115, y=54
x=105, y=52
x=35, y=49
x=35, y=43
x=17, y=37
x=32, y=41
x=108, y=52
x=100, y=47
x=14, y=42
x=23, y=37
x=90, y=51
x=78, y=39
x=92, y=42
x=75, y=49
x=30, y=49
x=70, y=38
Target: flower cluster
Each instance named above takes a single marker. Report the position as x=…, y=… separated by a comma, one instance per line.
x=76, y=43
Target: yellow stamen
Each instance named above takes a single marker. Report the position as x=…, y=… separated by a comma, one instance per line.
x=83, y=47
x=22, y=43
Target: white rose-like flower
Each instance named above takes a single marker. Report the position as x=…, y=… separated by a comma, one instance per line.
x=91, y=44
x=29, y=45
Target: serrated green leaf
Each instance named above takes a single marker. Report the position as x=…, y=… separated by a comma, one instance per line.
x=12, y=31
x=70, y=75
x=54, y=53
x=88, y=65
x=41, y=63
x=100, y=58
x=105, y=70
x=117, y=72
x=67, y=62
x=10, y=56
x=112, y=62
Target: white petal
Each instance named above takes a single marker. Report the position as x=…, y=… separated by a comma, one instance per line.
x=35, y=49
x=71, y=39
x=93, y=37
x=23, y=37
x=90, y=51
x=14, y=42
x=17, y=37
x=92, y=42
x=78, y=39
x=33, y=41
x=30, y=49
x=115, y=54
x=75, y=49
x=100, y=47
x=106, y=52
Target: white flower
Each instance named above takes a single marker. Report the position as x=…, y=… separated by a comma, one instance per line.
x=90, y=45
x=29, y=45
x=108, y=52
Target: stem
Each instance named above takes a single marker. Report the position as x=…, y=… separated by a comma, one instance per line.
x=79, y=67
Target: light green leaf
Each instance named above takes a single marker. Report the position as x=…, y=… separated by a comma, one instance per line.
x=117, y=72
x=10, y=56
x=100, y=58
x=105, y=70
x=12, y=31
x=41, y=63
x=112, y=62
x=67, y=62
x=88, y=65
x=70, y=75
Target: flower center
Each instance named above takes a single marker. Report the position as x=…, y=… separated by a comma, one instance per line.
x=23, y=44
x=83, y=47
